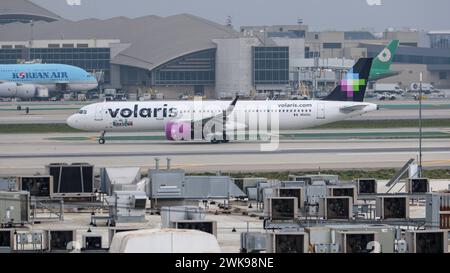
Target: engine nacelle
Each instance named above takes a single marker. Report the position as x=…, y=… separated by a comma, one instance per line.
x=8, y=89
x=179, y=130
x=185, y=131
x=12, y=89
x=26, y=91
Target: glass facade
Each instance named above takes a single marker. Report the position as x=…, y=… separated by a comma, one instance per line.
x=90, y=59
x=358, y=35
x=332, y=45
x=193, y=69
x=440, y=40
x=289, y=34
x=270, y=65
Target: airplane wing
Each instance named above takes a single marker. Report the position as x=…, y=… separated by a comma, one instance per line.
x=349, y=109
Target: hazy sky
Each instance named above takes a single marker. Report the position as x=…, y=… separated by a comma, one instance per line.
x=318, y=14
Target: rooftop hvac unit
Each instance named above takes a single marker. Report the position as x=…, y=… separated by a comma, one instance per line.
x=31, y=240
x=385, y=234
x=6, y=240
x=320, y=240
x=253, y=242
x=310, y=179
x=287, y=242
x=347, y=190
x=367, y=186
x=76, y=180
x=392, y=207
x=427, y=241
x=292, y=184
x=127, y=206
x=244, y=183
x=7, y=184
x=119, y=179
x=252, y=193
x=438, y=210
x=314, y=193
x=292, y=192
x=172, y=214
x=355, y=241
x=418, y=185
x=201, y=225
x=14, y=208
x=61, y=240
x=92, y=241
x=39, y=186
x=166, y=184
x=282, y=208
x=336, y=208
x=138, y=202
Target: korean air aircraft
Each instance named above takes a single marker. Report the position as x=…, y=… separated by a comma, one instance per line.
x=37, y=80
x=217, y=121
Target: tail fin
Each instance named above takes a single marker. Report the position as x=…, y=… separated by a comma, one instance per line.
x=384, y=60
x=353, y=86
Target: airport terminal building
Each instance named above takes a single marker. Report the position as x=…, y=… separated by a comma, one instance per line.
x=183, y=55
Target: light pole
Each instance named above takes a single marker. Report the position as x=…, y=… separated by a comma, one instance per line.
x=420, y=126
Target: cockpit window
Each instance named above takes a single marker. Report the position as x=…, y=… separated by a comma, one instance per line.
x=82, y=112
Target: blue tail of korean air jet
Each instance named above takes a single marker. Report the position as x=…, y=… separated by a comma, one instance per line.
x=353, y=85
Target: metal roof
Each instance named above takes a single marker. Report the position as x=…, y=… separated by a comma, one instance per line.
x=439, y=32
x=154, y=40
x=24, y=10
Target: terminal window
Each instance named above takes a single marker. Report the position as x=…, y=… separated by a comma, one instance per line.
x=193, y=69
x=271, y=65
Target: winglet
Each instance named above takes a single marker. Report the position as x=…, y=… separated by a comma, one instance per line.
x=232, y=105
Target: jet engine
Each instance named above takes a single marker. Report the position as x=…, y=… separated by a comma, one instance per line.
x=179, y=130
x=23, y=91
x=187, y=130
x=8, y=89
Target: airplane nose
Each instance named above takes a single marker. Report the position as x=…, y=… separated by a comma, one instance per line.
x=72, y=121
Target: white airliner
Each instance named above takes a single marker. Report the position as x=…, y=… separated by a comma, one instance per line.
x=181, y=119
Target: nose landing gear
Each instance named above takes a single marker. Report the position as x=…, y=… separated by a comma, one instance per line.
x=101, y=139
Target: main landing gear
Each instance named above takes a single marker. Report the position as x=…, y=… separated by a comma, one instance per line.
x=215, y=141
x=101, y=140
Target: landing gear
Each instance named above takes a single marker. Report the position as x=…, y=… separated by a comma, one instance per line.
x=215, y=141
x=101, y=140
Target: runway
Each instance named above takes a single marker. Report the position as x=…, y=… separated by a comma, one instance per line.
x=27, y=154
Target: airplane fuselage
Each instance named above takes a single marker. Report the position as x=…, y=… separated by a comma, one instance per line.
x=154, y=115
x=22, y=80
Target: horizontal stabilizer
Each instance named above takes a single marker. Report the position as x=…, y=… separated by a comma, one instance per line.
x=353, y=108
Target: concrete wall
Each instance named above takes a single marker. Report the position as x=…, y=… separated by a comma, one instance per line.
x=234, y=66
x=296, y=47
x=410, y=73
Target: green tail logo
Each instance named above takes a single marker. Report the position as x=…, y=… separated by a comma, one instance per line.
x=382, y=63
